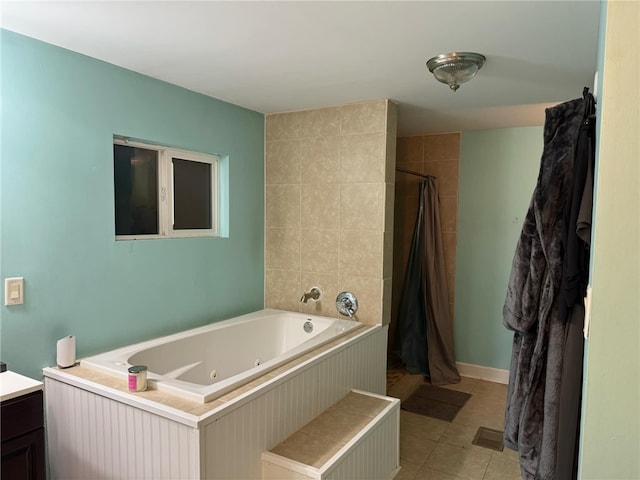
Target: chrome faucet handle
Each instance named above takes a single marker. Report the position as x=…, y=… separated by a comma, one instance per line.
x=347, y=304
x=313, y=294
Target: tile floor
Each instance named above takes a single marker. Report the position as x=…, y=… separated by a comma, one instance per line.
x=432, y=449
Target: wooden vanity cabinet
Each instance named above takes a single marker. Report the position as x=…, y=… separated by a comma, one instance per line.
x=22, y=431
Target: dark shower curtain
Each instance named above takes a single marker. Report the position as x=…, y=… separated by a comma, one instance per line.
x=425, y=330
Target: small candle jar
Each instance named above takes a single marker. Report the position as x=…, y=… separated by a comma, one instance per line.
x=137, y=378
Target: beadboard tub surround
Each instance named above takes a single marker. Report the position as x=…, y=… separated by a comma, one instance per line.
x=96, y=428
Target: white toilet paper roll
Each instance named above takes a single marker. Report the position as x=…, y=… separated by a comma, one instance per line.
x=66, y=352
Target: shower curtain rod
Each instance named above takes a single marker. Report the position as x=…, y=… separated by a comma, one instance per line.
x=402, y=170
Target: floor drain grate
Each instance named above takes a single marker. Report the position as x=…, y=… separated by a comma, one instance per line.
x=489, y=438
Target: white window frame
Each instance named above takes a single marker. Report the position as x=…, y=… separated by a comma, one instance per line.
x=165, y=191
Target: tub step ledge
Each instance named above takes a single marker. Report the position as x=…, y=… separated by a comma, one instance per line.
x=358, y=437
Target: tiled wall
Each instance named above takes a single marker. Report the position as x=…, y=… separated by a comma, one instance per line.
x=436, y=155
x=329, y=208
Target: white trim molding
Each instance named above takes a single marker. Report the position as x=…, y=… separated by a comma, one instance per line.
x=490, y=374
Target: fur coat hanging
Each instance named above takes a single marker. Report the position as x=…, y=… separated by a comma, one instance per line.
x=532, y=306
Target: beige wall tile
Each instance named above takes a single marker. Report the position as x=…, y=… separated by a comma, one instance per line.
x=367, y=117
x=283, y=206
x=283, y=162
x=322, y=122
x=410, y=149
x=415, y=167
x=328, y=285
x=368, y=292
x=320, y=160
x=362, y=206
x=282, y=248
x=322, y=218
x=448, y=213
x=389, y=199
x=445, y=146
x=390, y=159
x=283, y=126
x=392, y=118
x=363, y=158
x=387, y=256
x=361, y=253
x=319, y=250
x=282, y=289
x=387, y=286
x=447, y=174
x=321, y=205
x=406, y=209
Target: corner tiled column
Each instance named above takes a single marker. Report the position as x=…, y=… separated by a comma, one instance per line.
x=329, y=207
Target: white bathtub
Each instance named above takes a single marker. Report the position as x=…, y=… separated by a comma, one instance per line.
x=204, y=363
x=96, y=430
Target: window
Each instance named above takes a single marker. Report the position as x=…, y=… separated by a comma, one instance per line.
x=163, y=192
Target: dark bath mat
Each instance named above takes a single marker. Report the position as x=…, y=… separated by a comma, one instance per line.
x=436, y=402
x=489, y=438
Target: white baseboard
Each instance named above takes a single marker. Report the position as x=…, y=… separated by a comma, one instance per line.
x=483, y=373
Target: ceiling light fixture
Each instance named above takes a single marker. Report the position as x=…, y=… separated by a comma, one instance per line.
x=456, y=67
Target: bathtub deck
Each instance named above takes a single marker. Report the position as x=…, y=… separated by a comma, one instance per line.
x=119, y=384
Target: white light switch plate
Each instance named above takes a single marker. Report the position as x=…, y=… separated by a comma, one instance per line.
x=14, y=291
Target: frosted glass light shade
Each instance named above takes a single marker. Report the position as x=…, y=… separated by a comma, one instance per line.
x=456, y=67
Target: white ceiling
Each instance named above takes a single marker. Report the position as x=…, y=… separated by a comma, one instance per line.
x=281, y=56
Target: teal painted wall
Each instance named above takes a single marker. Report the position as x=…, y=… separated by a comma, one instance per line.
x=60, y=111
x=497, y=174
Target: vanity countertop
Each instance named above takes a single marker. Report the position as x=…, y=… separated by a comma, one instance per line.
x=13, y=385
